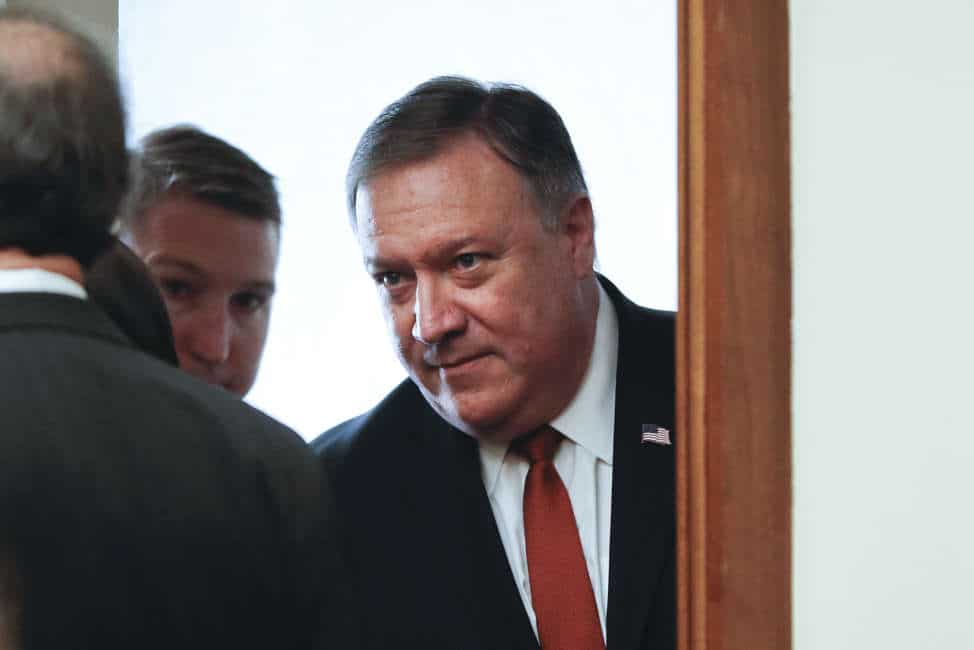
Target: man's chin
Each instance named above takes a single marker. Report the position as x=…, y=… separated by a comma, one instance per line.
x=483, y=431
x=477, y=423
x=472, y=412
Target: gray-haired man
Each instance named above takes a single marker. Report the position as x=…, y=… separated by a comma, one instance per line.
x=518, y=488
x=139, y=507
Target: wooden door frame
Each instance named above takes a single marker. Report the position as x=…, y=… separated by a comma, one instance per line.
x=733, y=328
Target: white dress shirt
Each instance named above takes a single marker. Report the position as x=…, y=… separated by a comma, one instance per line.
x=583, y=461
x=39, y=280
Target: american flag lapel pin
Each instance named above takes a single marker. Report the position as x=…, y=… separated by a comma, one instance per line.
x=656, y=435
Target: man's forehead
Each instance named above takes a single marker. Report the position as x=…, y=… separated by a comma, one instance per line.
x=466, y=172
x=182, y=228
x=176, y=209
x=364, y=218
x=435, y=222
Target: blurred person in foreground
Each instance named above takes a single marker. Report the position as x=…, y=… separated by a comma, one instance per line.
x=119, y=283
x=517, y=489
x=139, y=507
x=205, y=218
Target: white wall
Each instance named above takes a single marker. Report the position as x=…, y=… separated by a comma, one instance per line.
x=882, y=135
x=294, y=84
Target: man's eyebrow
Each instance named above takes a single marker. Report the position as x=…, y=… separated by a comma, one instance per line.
x=267, y=286
x=451, y=247
x=165, y=260
x=437, y=252
x=262, y=285
x=373, y=261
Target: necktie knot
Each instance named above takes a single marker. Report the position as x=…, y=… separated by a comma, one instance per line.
x=538, y=446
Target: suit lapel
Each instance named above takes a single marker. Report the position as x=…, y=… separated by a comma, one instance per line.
x=642, y=521
x=479, y=600
x=481, y=587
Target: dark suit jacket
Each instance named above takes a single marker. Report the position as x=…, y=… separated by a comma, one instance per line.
x=423, y=547
x=120, y=284
x=144, y=509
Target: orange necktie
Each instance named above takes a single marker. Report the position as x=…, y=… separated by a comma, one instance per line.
x=561, y=592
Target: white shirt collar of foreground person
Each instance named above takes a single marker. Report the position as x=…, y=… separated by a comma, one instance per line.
x=39, y=281
x=584, y=462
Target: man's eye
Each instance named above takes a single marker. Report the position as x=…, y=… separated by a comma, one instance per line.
x=467, y=261
x=175, y=289
x=388, y=278
x=249, y=301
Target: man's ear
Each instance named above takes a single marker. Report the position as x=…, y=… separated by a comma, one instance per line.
x=578, y=225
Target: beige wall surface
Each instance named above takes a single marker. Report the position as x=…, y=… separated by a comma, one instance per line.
x=883, y=439
x=98, y=18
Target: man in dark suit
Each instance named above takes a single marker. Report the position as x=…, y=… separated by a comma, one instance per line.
x=518, y=489
x=139, y=507
x=120, y=284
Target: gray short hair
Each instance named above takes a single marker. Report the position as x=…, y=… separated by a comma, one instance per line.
x=63, y=161
x=184, y=159
x=520, y=126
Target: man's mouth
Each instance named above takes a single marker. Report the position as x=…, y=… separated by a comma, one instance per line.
x=457, y=362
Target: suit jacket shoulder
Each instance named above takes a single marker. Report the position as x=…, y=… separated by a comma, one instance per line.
x=642, y=595
x=645, y=333
x=403, y=415
x=193, y=519
x=422, y=549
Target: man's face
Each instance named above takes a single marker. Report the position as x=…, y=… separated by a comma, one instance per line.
x=215, y=270
x=493, y=315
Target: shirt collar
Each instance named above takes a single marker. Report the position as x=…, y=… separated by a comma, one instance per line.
x=491, y=459
x=589, y=418
x=39, y=280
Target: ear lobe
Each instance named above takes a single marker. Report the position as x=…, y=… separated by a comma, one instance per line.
x=578, y=224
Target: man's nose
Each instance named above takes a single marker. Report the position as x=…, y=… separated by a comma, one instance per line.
x=436, y=315
x=211, y=331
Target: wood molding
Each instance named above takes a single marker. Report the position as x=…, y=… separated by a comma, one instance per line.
x=733, y=327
